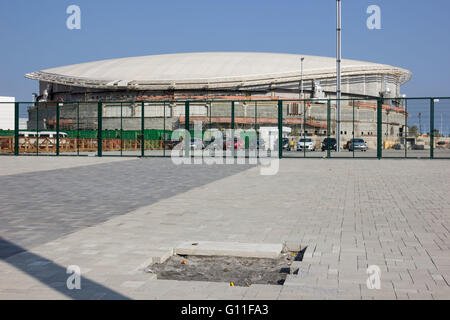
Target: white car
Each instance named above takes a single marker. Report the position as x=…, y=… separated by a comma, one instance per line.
x=306, y=143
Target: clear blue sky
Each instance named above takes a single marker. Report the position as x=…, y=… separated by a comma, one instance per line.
x=414, y=35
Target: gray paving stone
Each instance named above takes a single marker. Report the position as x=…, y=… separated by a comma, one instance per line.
x=351, y=214
x=45, y=205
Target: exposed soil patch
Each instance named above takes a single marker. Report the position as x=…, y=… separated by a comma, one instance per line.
x=236, y=270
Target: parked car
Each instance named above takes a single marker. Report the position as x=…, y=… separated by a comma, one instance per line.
x=286, y=144
x=237, y=144
x=329, y=143
x=441, y=144
x=257, y=144
x=213, y=144
x=357, y=144
x=306, y=144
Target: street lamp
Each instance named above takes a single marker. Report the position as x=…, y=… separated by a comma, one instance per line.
x=301, y=77
x=420, y=123
x=338, y=75
x=301, y=94
x=405, y=131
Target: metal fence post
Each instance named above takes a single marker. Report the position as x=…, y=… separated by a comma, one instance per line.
x=328, y=128
x=379, y=127
x=353, y=125
x=187, y=141
x=78, y=129
x=304, y=128
x=406, y=128
x=16, y=128
x=121, y=129
x=232, y=129
x=280, y=129
x=57, y=129
x=37, y=128
x=164, y=130
x=99, y=129
x=142, y=130
x=432, y=128
x=256, y=129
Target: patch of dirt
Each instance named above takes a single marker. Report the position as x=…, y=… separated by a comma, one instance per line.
x=239, y=271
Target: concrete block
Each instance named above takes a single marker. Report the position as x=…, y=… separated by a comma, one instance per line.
x=233, y=249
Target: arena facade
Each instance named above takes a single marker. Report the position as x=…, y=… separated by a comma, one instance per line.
x=210, y=80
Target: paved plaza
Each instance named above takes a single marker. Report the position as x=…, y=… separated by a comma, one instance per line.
x=112, y=217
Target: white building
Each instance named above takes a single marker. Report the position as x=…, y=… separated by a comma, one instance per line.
x=209, y=80
x=7, y=113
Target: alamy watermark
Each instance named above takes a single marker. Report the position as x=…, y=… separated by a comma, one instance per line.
x=226, y=147
x=374, y=20
x=374, y=279
x=73, y=21
x=74, y=280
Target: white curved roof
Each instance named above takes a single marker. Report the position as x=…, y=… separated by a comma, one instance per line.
x=206, y=70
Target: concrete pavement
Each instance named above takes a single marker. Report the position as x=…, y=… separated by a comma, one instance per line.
x=349, y=214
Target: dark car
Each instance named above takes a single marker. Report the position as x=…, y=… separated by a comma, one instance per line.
x=261, y=144
x=213, y=143
x=286, y=144
x=329, y=143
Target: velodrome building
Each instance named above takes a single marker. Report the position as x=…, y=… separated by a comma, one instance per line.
x=209, y=80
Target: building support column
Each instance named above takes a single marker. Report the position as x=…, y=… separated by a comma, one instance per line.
x=142, y=130
x=432, y=128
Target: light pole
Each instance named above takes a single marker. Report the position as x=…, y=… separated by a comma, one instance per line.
x=405, y=131
x=420, y=123
x=301, y=77
x=338, y=75
x=301, y=95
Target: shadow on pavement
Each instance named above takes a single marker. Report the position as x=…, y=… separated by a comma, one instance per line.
x=53, y=275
